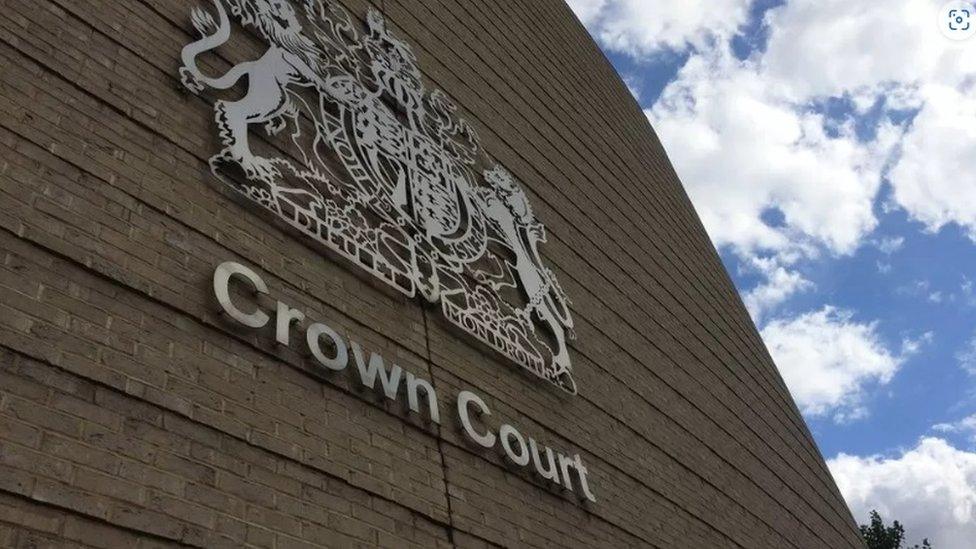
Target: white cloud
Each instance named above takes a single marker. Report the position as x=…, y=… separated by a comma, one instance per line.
x=967, y=356
x=780, y=284
x=744, y=145
x=644, y=27
x=866, y=49
x=931, y=489
x=968, y=293
x=964, y=426
x=633, y=85
x=587, y=10
x=890, y=245
x=910, y=346
x=745, y=140
x=934, y=179
x=832, y=47
x=828, y=360
x=923, y=289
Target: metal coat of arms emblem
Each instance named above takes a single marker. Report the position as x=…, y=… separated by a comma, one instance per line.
x=367, y=162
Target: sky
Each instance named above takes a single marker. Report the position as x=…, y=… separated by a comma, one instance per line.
x=828, y=147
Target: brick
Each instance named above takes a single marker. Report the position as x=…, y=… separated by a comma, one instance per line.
x=232, y=527
x=55, y=378
x=276, y=481
x=63, y=495
x=182, y=510
x=215, y=499
x=126, y=443
x=260, y=537
x=112, y=400
x=10, y=509
x=33, y=461
x=33, y=308
x=152, y=435
x=74, y=452
x=144, y=520
x=199, y=537
x=32, y=538
x=185, y=468
x=273, y=520
x=235, y=465
x=248, y=491
x=287, y=542
x=322, y=536
x=220, y=421
x=19, y=432
x=41, y=416
x=151, y=477
x=24, y=388
x=110, y=486
x=16, y=481
x=97, y=535
x=73, y=306
x=353, y=527
x=92, y=370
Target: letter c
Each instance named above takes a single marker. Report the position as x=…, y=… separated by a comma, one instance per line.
x=464, y=399
x=222, y=275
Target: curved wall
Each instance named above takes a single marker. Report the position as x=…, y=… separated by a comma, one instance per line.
x=134, y=414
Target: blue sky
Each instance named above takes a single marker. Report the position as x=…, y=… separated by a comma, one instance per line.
x=922, y=293
x=828, y=147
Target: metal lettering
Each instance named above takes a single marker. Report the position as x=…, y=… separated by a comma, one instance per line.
x=313, y=338
x=367, y=374
x=506, y=433
x=284, y=318
x=221, y=285
x=550, y=472
x=582, y=476
x=415, y=383
x=564, y=465
x=465, y=399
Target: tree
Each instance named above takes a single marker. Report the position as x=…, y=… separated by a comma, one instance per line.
x=879, y=536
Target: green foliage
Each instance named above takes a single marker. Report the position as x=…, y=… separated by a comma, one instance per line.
x=878, y=536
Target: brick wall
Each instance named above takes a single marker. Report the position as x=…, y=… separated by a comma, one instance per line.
x=132, y=415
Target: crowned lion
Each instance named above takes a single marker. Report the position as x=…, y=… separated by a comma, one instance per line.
x=292, y=60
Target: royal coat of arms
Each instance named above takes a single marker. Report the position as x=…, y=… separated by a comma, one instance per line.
x=382, y=172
